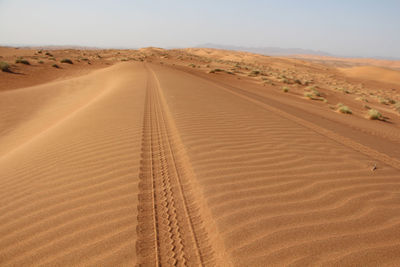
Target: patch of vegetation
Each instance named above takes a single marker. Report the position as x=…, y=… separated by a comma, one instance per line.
x=343, y=90
x=124, y=59
x=192, y=65
x=40, y=62
x=373, y=114
x=22, y=61
x=4, y=66
x=66, y=60
x=52, y=58
x=49, y=54
x=397, y=107
x=309, y=95
x=84, y=59
x=364, y=99
x=313, y=94
x=55, y=66
x=255, y=72
x=216, y=70
x=285, y=89
x=344, y=109
x=386, y=101
x=298, y=81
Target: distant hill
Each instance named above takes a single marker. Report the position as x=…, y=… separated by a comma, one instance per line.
x=271, y=51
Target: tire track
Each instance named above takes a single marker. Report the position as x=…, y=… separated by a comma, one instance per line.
x=258, y=100
x=170, y=231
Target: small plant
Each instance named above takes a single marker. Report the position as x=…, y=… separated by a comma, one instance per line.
x=344, y=90
x=285, y=89
x=84, y=59
x=397, y=107
x=344, y=109
x=255, y=72
x=40, y=62
x=49, y=54
x=52, y=58
x=373, y=114
x=4, y=67
x=22, y=61
x=216, y=70
x=66, y=60
x=124, y=59
x=55, y=66
x=309, y=95
x=298, y=81
x=367, y=107
x=386, y=101
x=192, y=65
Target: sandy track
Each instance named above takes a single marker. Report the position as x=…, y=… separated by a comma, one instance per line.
x=167, y=212
x=144, y=164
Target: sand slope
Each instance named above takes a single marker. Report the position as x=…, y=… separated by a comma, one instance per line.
x=146, y=164
x=374, y=73
x=69, y=170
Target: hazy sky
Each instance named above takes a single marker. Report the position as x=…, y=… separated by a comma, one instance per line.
x=342, y=27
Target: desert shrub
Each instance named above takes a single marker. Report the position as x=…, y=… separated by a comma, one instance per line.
x=397, y=106
x=49, y=54
x=298, y=81
x=255, y=72
x=22, y=61
x=309, y=95
x=124, y=59
x=344, y=90
x=373, y=114
x=55, y=66
x=84, y=59
x=40, y=62
x=386, y=101
x=344, y=109
x=285, y=89
x=364, y=99
x=66, y=60
x=4, y=67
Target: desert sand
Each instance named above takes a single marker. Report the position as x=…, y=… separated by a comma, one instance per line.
x=197, y=157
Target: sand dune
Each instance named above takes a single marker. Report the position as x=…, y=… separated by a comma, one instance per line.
x=374, y=74
x=155, y=164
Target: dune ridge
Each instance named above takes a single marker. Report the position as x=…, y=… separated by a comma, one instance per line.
x=69, y=193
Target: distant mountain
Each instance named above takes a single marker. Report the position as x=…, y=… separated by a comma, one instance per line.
x=271, y=51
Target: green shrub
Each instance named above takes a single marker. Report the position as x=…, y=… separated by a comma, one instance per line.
x=285, y=89
x=55, y=66
x=397, y=106
x=40, y=62
x=66, y=60
x=49, y=54
x=373, y=114
x=344, y=109
x=22, y=61
x=5, y=67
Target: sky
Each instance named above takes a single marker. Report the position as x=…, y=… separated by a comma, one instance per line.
x=365, y=28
